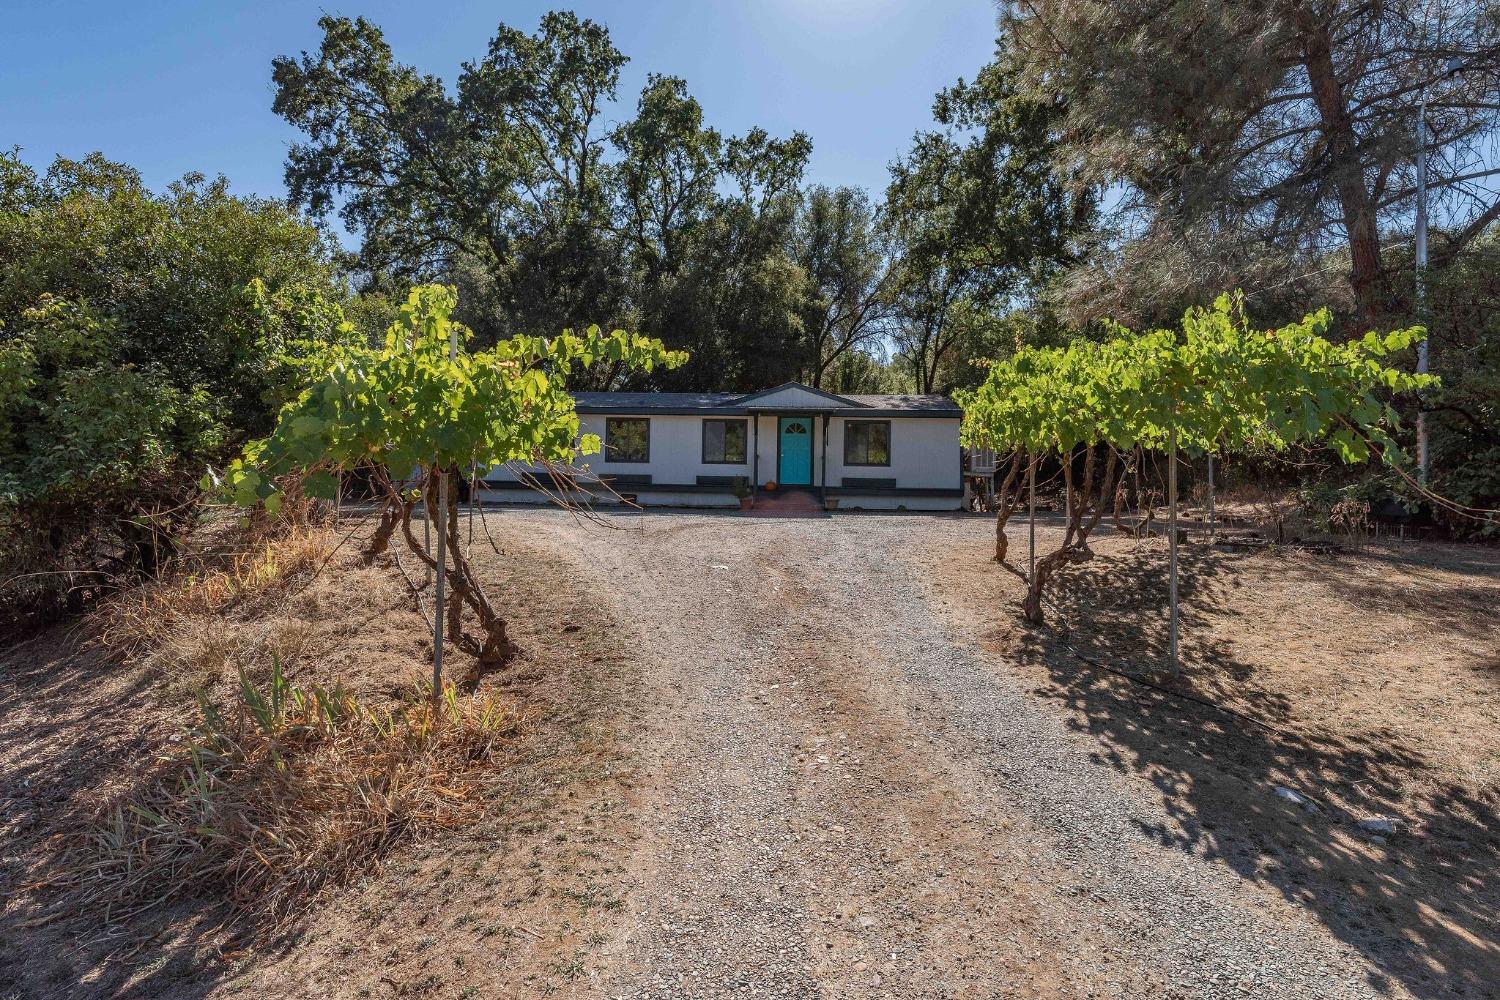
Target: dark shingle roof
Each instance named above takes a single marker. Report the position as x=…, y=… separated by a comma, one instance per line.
x=731, y=403
x=925, y=404
x=655, y=400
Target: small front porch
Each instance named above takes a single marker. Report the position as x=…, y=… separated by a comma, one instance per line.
x=789, y=449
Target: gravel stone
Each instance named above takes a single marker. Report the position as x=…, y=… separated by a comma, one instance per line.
x=839, y=798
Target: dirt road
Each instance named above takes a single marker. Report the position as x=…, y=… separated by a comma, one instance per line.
x=839, y=797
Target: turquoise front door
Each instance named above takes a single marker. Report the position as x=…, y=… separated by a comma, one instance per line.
x=796, y=451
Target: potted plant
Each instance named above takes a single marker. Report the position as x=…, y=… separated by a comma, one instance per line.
x=743, y=492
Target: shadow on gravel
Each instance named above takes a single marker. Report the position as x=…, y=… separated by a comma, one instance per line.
x=1421, y=904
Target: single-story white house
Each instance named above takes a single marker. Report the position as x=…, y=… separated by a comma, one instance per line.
x=698, y=448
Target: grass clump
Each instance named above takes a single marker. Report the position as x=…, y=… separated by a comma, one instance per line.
x=202, y=586
x=293, y=789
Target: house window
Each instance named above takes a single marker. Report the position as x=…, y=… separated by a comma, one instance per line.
x=627, y=439
x=867, y=442
x=724, y=442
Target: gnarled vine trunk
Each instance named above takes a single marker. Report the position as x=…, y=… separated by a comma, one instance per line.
x=1147, y=498
x=492, y=646
x=1007, y=499
x=1086, y=505
x=390, y=517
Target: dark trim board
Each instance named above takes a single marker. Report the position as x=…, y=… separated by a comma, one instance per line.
x=841, y=491
x=900, y=491
x=634, y=488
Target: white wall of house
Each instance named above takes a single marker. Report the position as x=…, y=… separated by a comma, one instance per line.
x=924, y=455
x=924, y=452
x=676, y=451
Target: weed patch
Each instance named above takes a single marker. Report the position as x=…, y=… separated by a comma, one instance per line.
x=288, y=790
x=197, y=589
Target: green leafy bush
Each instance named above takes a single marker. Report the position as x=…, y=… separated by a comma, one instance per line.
x=141, y=337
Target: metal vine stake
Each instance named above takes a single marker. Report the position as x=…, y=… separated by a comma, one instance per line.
x=442, y=552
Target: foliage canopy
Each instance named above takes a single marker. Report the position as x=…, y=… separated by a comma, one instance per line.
x=1220, y=383
x=1247, y=141
x=141, y=336
x=406, y=403
x=1217, y=385
x=511, y=185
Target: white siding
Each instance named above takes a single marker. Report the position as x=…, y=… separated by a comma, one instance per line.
x=676, y=451
x=924, y=452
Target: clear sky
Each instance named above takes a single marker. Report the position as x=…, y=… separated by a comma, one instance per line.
x=170, y=86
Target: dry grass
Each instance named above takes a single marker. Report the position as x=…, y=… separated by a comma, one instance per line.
x=206, y=584
x=97, y=716
x=289, y=789
x=281, y=787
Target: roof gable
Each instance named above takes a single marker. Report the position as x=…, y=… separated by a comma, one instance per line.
x=791, y=397
x=796, y=396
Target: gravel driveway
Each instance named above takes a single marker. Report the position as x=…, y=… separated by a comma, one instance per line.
x=843, y=799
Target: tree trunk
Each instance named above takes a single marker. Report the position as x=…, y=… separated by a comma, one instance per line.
x=1086, y=508
x=1367, y=276
x=1006, y=502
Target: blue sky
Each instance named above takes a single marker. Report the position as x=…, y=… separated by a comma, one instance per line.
x=175, y=86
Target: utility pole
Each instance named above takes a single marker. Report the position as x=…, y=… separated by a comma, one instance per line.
x=1454, y=66
x=1421, y=275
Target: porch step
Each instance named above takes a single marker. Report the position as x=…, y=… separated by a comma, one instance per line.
x=787, y=502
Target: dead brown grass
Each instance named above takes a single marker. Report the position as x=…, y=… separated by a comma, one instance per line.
x=290, y=789
x=95, y=716
x=205, y=583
